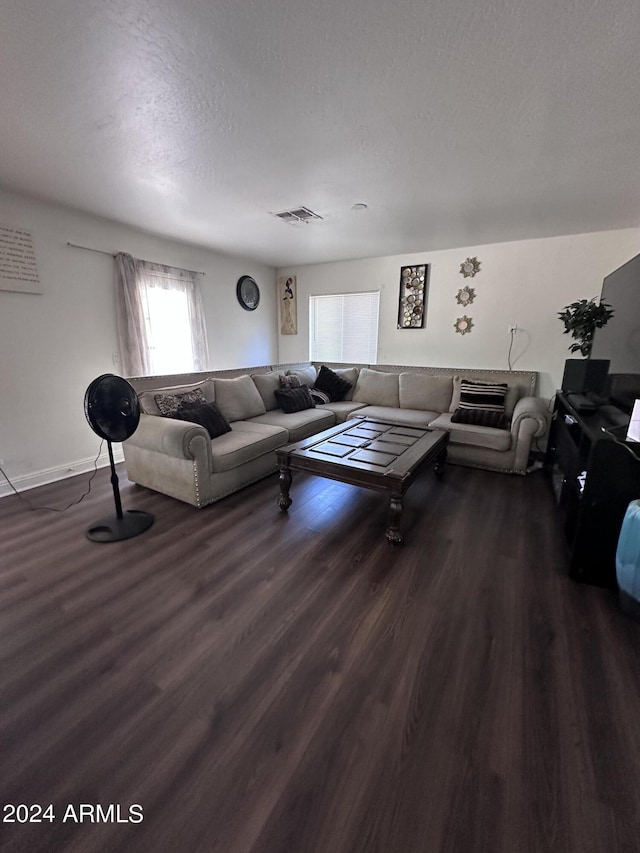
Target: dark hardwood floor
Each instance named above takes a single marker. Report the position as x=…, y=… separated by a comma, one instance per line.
x=261, y=682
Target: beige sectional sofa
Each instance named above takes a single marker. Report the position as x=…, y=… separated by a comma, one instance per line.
x=179, y=459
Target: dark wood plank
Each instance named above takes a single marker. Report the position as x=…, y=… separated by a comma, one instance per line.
x=263, y=682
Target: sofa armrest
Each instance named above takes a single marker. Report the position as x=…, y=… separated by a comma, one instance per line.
x=180, y=439
x=530, y=417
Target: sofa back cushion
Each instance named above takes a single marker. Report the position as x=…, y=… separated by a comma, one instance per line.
x=238, y=399
x=377, y=388
x=306, y=375
x=148, y=402
x=428, y=393
x=351, y=375
x=267, y=384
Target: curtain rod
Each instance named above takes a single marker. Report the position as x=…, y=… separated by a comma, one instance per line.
x=111, y=255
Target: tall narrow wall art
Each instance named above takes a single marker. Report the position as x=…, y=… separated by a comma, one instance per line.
x=288, y=302
x=412, y=302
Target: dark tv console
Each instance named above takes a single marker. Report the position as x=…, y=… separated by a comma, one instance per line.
x=594, y=475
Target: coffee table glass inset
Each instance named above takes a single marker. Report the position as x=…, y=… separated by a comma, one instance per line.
x=373, y=454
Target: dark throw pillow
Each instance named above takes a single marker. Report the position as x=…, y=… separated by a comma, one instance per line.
x=205, y=414
x=170, y=403
x=294, y=399
x=481, y=404
x=480, y=417
x=334, y=386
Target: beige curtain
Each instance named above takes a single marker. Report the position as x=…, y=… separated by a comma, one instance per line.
x=134, y=279
x=130, y=318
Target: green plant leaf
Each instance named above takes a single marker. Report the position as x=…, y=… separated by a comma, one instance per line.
x=581, y=319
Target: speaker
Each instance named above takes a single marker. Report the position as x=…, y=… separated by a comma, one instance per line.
x=582, y=375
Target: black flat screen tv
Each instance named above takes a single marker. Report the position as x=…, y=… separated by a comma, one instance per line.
x=619, y=340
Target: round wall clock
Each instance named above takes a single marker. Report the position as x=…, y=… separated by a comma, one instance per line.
x=248, y=293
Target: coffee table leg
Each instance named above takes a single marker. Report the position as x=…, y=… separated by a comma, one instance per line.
x=439, y=464
x=395, y=512
x=284, y=501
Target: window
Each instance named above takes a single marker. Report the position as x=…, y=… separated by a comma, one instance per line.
x=343, y=327
x=160, y=319
x=167, y=317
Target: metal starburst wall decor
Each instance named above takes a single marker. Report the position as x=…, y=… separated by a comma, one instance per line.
x=469, y=267
x=463, y=325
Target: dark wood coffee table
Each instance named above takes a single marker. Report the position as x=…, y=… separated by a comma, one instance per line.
x=382, y=456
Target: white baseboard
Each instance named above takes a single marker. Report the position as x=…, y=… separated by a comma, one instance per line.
x=60, y=472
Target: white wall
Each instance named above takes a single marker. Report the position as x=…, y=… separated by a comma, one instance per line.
x=525, y=282
x=52, y=345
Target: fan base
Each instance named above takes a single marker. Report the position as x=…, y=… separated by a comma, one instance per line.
x=114, y=529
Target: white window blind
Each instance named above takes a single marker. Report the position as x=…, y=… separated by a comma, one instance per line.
x=343, y=327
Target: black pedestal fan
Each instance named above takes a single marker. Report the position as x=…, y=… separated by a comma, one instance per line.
x=112, y=408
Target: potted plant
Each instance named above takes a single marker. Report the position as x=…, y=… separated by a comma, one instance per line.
x=581, y=319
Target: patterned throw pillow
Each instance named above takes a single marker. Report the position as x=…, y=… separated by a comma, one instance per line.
x=290, y=380
x=319, y=397
x=170, y=403
x=334, y=386
x=205, y=414
x=481, y=404
x=294, y=399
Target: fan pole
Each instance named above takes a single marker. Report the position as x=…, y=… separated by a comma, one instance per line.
x=114, y=482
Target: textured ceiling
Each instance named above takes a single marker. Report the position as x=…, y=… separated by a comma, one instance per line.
x=456, y=122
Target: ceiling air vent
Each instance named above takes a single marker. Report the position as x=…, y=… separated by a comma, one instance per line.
x=297, y=214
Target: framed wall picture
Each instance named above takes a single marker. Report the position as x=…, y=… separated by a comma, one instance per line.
x=412, y=302
x=288, y=302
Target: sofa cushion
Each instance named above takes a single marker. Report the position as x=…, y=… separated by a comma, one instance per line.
x=267, y=384
x=421, y=391
x=238, y=399
x=306, y=375
x=514, y=392
x=395, y=415
x=332, y=384
x=377, y=388
x=475, y=436
x=150, y=407
x=207, y=415
x=294, y=399
x=244, y=443
x=343, y=410
x=298, y=424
